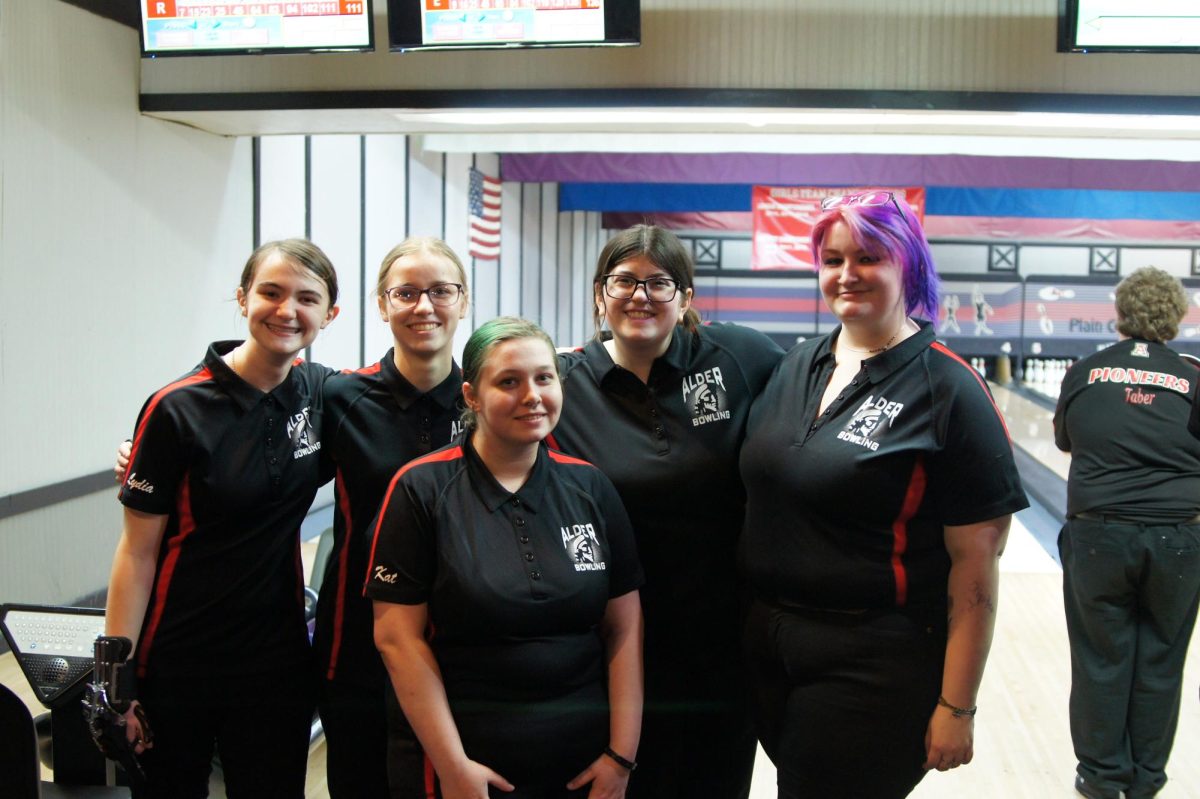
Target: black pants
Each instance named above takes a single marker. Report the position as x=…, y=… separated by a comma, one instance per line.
x=697, y=738
x=260, y=725
x=1130, y=592
x=355, y=723
x=843, y=700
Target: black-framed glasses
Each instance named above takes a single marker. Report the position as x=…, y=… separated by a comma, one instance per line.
x=439, y=294
x=657, y=289
x=861, y=198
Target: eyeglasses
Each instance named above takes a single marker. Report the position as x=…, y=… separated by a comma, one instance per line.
x=623, y=287
x=439, y=294
x=862, y=198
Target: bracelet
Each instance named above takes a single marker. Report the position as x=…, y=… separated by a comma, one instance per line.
x=957, y=712
x=624, y=763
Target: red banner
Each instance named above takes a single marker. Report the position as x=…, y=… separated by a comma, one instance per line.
x=784, y=217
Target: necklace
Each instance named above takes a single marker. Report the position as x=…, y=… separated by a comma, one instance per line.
x=886, y=344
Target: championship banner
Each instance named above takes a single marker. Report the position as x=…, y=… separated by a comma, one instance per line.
x=784, y=216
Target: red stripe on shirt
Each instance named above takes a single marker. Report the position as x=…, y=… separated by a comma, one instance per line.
x=199, y=377
x=373, y=369
x=187, y=525
x=454, y=453
x=559, y=457
x=912, y=500
x=942, y=348
x=552, y=442
x=430, y=779
x=339, y=608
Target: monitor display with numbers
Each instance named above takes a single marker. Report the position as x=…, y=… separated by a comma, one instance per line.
x=216, y=27
x=489, y=24
x=1119, y=26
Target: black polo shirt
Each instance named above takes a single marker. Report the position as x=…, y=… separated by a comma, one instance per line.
x=516, y=583
x=670, y=446
x=846, y=509
x=235, y=471
x=1123, y=415
x=375, y=422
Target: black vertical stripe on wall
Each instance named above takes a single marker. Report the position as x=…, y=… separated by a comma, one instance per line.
x=362, y=249
x=256, y=191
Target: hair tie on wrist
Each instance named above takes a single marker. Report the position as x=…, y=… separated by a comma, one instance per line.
x=624, y=763
x=957, y=712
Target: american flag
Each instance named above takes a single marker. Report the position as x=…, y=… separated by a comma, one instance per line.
x=483, y=197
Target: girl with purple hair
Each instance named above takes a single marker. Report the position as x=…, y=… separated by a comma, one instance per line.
x=880, y=483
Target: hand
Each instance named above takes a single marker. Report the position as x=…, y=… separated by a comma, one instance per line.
x=949, y=740
x=471, y=781
x=136, y=732
x=124, y=450
x=608, y=779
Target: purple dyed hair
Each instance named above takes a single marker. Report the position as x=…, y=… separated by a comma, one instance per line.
x=886, y=231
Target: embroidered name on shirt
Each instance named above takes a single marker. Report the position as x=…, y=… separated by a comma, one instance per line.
x=139, y=485
x=704, y=393
x=1139, y=377
x=384, y=576
x=864, y=427
x=301, y=434
x=583, y=547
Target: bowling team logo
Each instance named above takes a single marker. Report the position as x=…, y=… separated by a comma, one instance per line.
x=705, y=396
x=1140, y=350
x=304, y=438
x=582, y=546
x=869, y=422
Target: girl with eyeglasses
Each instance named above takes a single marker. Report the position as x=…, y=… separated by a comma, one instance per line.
x=659, y=402
x=504, y=578
x=378, y=419
x=880, y=484
x=375, y=420
x=206, y=580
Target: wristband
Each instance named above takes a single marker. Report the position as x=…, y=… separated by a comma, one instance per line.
x=957, y=712
x=628, y=765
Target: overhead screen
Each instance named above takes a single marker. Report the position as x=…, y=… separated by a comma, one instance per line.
x=1119, y=26
x=486, y=24
x=207, y=27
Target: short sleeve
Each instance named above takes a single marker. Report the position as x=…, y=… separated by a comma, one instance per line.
x=1061, y=438
x=158, y=460
x=757, y=355
x=626, y=568
x=974, y=474
x=403, y=554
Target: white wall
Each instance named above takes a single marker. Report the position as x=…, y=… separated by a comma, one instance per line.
x=121, y=241
x=546, y=258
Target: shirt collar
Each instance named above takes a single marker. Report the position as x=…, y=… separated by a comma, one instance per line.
x=677, y=356
x=495, y=495
x=882, y=366
x=445, y=393
x=244, y=394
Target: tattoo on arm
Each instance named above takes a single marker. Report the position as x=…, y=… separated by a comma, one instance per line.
x=980, y=598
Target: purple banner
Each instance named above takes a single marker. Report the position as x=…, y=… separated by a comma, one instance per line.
x=862, y=169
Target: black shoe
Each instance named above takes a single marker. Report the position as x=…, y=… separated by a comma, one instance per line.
x=1085, y=788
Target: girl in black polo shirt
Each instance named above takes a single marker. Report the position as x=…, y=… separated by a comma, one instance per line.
x=505, y=585
x=880, y=483
x=661, y=408
x=206, y=578
x=377, y=419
